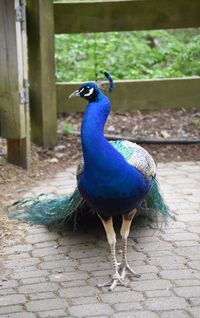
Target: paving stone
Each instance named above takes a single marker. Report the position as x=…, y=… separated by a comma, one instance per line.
x=45, y=244
x=77, y=291
x=73, y=283
x=48, y=304
x=12, y=300
x=7, y=291
x=19, y=315
x=52, y=314
x=65, y=277
x=41, y=295
x=172, y=262
x=17, y=249
x=158, y=293
x=85, y=254
x=120, y=297
x=151, y=285
x=146, y=276
x=85, y=300
x=90, y=309
x=8, y=283
x=94, y=267
x=30, y=274
x=57, y=257
x=194, y=265
x=33, y=280
x=20, y=256
x=187, y=292
x=135, y=314
x=187, y=282
x=127, y=306
x=180, y=274
x=175, y=314
x=24, y=262
x=193, y=252
x=10, y=309
x=186, y=243
x=180, y=237
x=167, y=303
x=91, y=260
x=104, y=273
x=58, y=264
x=146, y=269
x=51, y=250
x=194, y=301
x=195, y=312
x=20, y=269
x=38, y=288
x=41, y=237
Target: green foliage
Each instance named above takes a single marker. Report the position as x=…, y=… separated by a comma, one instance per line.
x=67, y=128
x=128, y=55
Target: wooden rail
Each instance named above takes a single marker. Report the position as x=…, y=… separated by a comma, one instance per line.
x=125, y=15
x=141, y=94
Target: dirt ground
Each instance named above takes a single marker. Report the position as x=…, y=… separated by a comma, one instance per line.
x=15, y=181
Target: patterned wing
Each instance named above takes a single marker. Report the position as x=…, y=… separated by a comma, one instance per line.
x=134, y=154
x=137, y=156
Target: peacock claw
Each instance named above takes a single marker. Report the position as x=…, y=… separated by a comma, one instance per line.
x=116, y=280
x=126, y=268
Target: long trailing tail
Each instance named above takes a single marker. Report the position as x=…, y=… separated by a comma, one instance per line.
x=155, y=203
x=48, y=208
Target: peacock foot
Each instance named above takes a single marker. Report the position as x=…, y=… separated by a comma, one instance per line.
x=126, y=269
x=116, y=280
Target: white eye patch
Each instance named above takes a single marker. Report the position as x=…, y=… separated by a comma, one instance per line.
x=91, y=90
x=82, y=90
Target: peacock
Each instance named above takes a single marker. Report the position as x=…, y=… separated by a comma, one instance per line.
x=116, y=178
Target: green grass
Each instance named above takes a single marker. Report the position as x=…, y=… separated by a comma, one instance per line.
x=128, y=55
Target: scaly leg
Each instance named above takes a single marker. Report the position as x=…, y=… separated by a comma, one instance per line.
x=111, y=237
x=125, y=229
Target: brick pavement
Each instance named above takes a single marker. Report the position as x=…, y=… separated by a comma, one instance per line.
x=48, y=273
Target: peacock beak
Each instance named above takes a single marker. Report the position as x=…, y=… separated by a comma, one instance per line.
x=74, y=94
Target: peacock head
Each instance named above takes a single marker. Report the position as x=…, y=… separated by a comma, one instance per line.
x=90, y=91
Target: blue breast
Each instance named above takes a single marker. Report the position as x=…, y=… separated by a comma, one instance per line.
x=116, y=190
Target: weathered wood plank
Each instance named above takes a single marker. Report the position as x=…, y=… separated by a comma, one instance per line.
x=17, y=152
x=142, y=94
x=125, y=15
x=40, y=25
x=11, y=81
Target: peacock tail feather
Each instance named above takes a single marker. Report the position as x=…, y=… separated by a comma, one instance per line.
x=48, y=208
x=154, y=203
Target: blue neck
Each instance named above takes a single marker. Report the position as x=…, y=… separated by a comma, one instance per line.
x=92, y=130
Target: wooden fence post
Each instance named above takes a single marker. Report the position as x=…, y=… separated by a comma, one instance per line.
x=40, y=27
x=14, y=104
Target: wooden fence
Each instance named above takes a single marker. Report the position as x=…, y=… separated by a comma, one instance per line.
x=104, y=16
x=44, y=20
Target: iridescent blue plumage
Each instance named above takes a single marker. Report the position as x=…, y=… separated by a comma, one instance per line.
x=108, y=182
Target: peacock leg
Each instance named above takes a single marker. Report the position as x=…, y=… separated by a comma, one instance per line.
x=111, y=237
x=125, y=229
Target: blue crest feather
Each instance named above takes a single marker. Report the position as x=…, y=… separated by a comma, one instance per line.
x=108, y=76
